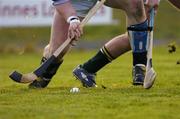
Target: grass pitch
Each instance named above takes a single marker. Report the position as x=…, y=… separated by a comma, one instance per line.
x=120, y=99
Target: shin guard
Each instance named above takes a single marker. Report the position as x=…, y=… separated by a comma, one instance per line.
x=139, y=42
x=52, y=69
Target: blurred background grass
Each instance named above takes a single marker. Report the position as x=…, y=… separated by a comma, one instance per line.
x=27, y=38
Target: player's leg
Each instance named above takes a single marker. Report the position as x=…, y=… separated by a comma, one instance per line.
x=58, y=36
x=59, y=32
x=136, y=15
x=138, y=32
x=137, y=27
x=139, y=36
x=110, y=51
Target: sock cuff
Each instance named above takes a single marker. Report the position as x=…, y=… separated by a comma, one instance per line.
x=141, y=65
x=107, y=54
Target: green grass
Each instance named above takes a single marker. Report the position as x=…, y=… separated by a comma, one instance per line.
x=119, y=100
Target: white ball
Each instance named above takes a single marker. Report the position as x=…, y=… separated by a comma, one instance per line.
x=74, y=90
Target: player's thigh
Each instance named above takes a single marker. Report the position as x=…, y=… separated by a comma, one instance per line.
x=59, y=32
x=59, y=29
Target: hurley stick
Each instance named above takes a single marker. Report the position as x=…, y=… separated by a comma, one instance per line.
x=150, y=73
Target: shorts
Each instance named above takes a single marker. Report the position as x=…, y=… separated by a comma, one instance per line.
x=82, y=7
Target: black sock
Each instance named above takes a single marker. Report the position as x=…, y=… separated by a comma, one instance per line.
x=102, y=58
x=139, y=58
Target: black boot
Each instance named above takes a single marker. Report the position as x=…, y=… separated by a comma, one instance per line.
x=139, y=74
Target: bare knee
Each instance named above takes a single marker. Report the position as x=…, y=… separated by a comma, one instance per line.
x=135, y=9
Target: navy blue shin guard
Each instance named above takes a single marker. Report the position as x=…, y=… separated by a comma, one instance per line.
x=139, y=42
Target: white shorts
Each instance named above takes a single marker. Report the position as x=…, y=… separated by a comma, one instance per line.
x=82, y=7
